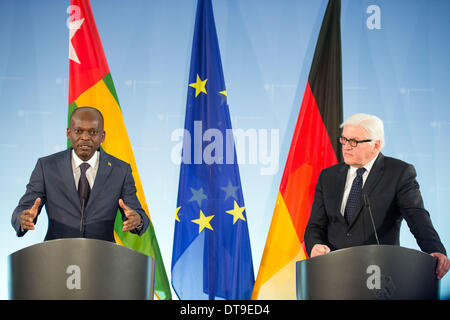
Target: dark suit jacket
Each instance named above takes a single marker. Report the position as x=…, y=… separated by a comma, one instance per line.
x=393, y=193
x=52, y=180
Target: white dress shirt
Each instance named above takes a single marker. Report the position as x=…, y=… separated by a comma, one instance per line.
x=351, y=175
x=91, y=172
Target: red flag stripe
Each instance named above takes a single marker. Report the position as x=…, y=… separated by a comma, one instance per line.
x=304, y=163
x=92, y=66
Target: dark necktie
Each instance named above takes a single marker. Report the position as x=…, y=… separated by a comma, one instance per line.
x=83, y=182
x=355, y=195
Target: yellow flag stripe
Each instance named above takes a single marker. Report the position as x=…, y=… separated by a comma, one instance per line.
x=276, y=274
x=117, y=142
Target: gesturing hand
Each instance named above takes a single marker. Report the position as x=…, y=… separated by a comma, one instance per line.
x=133, y=218
x=28, y=216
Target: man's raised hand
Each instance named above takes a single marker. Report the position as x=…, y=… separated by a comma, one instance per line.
x=28, y=216
x=133, y=218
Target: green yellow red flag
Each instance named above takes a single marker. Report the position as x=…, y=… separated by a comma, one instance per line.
x=91, y=84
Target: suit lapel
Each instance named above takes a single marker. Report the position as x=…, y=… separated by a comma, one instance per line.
x=374, y=177
x=340, y=185
x=104, y=169
x=67, y=177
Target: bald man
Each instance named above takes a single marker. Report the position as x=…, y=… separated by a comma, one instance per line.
x=81, y=187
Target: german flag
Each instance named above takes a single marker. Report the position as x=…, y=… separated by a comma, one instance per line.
x=314, y=147
x=91, y=84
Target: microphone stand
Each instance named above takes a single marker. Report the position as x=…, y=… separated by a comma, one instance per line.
x=367, y=203
x=84, y=196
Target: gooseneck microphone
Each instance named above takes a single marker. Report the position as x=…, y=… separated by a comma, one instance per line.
x=84, y=197
x=367, y=203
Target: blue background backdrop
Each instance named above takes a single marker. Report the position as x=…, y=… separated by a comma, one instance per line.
x=399, y=72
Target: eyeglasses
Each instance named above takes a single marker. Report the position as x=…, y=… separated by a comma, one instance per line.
x=353, y=142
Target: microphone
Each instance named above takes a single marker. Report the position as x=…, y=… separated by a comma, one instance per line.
x=367, y=203
x=84, y=197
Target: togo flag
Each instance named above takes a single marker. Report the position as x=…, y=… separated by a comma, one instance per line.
x=90, y=84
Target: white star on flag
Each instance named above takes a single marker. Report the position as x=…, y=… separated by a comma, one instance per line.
x=74, y=27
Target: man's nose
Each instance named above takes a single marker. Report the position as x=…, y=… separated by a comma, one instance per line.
x=85, y=135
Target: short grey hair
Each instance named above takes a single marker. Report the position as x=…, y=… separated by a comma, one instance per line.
x=372, y=124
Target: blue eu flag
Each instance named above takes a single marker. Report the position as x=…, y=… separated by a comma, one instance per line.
x=211, y=256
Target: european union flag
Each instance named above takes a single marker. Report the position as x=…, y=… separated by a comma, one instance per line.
x=211, y=256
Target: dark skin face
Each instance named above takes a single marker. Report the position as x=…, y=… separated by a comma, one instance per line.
x=85, y=132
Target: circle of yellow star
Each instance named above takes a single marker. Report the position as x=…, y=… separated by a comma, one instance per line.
x=199, y=85
x=224, y=92
x=176, y=214
x=237, y=212
x=203, y=222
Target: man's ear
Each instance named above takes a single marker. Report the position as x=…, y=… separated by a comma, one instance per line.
x=377, y=145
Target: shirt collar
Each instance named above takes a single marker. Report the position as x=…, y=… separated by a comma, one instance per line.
x=92, y=161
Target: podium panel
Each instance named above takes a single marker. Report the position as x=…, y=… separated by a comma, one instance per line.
x=80, y=268
x=368, y=273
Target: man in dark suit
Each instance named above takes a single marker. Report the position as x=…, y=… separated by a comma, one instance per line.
x=338, y=219
x=83, y=176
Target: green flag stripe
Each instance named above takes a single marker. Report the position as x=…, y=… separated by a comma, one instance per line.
x=110, y=85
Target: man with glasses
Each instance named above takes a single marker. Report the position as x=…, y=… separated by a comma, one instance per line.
x=389, y=184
